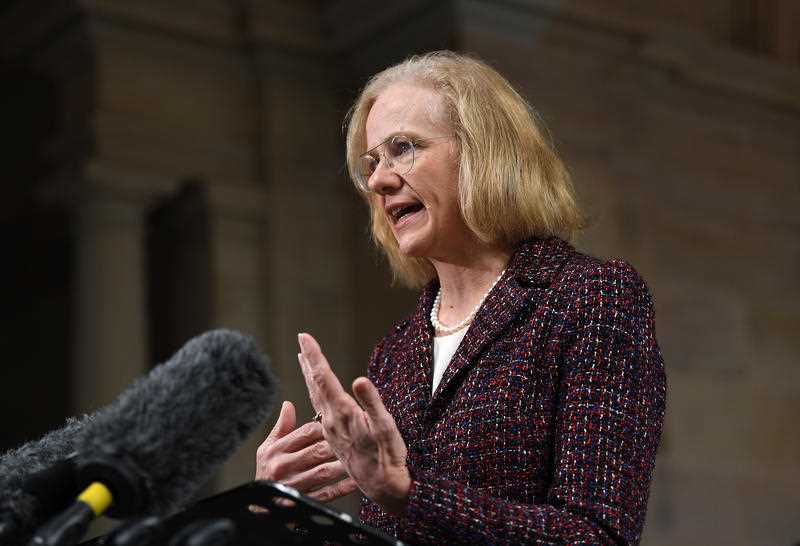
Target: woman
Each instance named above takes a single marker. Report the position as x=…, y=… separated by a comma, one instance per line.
x=523, y=400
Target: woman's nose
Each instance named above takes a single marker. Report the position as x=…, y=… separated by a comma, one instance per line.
x=384, y=180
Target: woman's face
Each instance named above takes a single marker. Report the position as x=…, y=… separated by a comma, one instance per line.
x=422, y=204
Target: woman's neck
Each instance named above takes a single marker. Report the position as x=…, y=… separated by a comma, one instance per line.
x=464, y=282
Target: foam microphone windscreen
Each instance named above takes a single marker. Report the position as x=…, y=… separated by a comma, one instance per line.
x=169, y=431
x=38, y=477
x=179, y=423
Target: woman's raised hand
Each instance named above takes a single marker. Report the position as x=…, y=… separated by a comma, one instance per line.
x=302, y=458
x=363, y=437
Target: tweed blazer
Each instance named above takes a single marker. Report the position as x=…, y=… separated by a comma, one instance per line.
x=545, y=426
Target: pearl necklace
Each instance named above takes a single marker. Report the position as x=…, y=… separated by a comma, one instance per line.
x=447, y=330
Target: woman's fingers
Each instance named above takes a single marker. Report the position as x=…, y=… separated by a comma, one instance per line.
x=296, y=440
x=283, y=427
x=300, y=438
x=307, y=458
x=369, y=398
x=287, y=467
x=285, y=423
x=323, y=386
x=277, y=458
x=316, y=477
x=317, y=402
x=382, y=424
x=320, y=490
x=335, y=490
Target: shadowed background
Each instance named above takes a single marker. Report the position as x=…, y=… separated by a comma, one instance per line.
x=173, y=166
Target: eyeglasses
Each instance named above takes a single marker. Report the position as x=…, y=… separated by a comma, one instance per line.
x=398, y=155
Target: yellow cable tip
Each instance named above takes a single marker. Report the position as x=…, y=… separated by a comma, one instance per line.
x=97, y=497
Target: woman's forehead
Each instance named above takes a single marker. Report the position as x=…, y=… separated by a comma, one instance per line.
x=404, y=108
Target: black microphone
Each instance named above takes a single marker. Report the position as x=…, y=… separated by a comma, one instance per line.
x=37, y=480
x=150, y=450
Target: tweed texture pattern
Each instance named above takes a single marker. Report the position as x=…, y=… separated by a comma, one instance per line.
x=545, y=426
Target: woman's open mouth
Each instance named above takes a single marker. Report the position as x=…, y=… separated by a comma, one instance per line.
x=403, y=214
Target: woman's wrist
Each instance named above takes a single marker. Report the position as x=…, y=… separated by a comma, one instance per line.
x=394, y=497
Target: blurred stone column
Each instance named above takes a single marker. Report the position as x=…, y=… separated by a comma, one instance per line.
x=110, y=328
x=239, y=300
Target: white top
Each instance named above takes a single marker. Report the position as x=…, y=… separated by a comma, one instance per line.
x=444, y=347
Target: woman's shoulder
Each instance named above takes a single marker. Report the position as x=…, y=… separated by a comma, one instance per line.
x=577, y=270
x=597, y=290
x=579, y=284
x=555, y=263
x=588, y=272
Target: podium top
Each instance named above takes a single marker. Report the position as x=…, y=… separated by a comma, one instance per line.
x=267, y=513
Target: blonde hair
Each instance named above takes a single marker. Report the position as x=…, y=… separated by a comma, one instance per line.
x=512, y=185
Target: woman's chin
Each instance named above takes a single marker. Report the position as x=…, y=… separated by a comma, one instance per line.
x=411, y=246
x=413, y=240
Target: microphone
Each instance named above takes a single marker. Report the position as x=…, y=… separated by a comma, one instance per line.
x=38, y=479
x=165, y=435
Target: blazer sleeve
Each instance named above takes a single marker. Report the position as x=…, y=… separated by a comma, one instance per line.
x=611, y=402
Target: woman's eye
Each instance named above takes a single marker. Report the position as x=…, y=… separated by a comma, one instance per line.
x=368, y=165
x=399, y=146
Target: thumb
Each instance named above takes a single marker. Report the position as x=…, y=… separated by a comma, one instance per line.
x=286, y=422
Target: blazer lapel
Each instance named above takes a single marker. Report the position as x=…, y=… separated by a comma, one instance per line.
x=418, y=347
x=412, y=370
x=532, y=266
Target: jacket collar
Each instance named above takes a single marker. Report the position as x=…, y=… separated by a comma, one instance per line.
x=534, y=264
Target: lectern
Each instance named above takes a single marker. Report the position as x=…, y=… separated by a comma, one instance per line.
x=265, y=513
